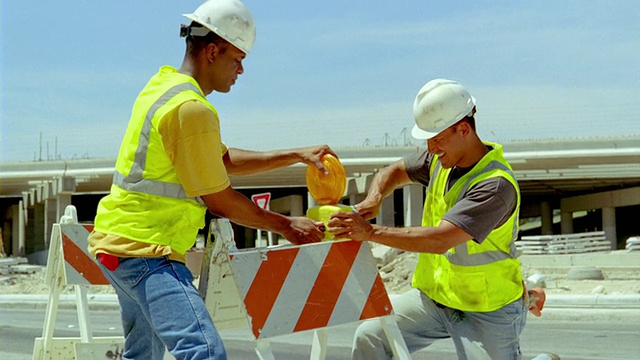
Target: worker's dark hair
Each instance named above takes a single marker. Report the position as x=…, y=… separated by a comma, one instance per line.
x=469, y=119
x=196, y=43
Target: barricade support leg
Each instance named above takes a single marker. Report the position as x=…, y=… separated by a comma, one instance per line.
x=396, y=341
x=84, y=322
x=49, y=324
x=263, y=350
x=78, y=269
x=319, y=345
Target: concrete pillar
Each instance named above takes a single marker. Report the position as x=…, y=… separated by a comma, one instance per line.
x=386, y=214
x=19, y=242
x=38, y=227
x=290, y=204
x=297, y=207
x=566, y=222
x=609, y=226
x=62, y=200
x=356, y=198
x=50, y=217
x=311, y=200
x=17, y=230
x=3, y=253
x=413, y=204
x=546, y=218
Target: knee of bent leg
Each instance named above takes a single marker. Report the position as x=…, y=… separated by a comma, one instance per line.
x=370, y=342
x=369, y=333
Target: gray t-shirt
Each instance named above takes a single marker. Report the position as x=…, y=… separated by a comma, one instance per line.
x=486, y=206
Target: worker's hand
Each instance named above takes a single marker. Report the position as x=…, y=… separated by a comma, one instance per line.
x=303, y=230
x=313, y=156
x=350, y=225
x=368, y=208
x=535, y=298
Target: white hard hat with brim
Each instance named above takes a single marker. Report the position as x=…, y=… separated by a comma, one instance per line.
x=439, y=104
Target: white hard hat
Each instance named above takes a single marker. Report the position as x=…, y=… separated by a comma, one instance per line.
x=439, y=104
x=230, y=19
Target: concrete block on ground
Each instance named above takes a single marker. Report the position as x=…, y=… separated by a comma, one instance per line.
x=585, y=273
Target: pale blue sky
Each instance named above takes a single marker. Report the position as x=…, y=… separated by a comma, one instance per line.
x=338, y=72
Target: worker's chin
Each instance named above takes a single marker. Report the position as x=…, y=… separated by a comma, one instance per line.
x=445, y=164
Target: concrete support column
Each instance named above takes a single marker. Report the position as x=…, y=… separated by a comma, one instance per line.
x=311, y=201
x=18, y=216
x=609, y=226
x=566, y=222
x=38, y=227
x=546, y=218
x=385, y=216
x=291, y=204
x=297, y=207
x=413, y=204
x=50, y=217
x=356, y=198
x=62, y=200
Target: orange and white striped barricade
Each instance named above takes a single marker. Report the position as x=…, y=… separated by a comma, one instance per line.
x=69, y=263
x=288, y=289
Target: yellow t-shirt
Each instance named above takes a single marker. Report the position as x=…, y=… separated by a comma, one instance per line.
x=191, y=137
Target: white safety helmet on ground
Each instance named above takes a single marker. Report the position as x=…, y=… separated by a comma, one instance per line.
x=230, y=19
x=439, y=104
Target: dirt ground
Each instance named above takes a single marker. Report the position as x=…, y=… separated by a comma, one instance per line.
x=396, y=269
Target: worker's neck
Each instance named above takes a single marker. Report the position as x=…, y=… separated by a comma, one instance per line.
x=189, y=67
x=477, y=150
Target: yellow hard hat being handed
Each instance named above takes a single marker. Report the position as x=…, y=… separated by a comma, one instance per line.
x=328, y=188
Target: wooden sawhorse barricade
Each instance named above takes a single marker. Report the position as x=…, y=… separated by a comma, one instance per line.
x=284, y=290
x=69, y=263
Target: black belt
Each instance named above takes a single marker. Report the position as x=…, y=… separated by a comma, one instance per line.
x=438, y=305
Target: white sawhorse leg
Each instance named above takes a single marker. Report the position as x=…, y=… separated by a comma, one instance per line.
x=82, y=304
x=391, y=330
x=263, y=350
x=319, y=346
x=49, y=323
x=398, y=346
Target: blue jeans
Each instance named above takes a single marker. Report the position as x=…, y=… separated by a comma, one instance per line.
x=491, y=335
x=160, y=307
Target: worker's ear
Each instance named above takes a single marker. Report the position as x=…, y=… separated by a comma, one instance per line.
x=212, y=52
x=464, y=128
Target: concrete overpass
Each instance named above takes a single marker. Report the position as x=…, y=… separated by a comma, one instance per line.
x=597, y=178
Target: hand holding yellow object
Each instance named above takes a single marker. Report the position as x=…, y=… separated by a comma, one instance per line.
x=327, y=189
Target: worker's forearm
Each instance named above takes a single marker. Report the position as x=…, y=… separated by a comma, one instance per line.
x=415, y=239
x=423, y=239
x=387, y=180
x=245, y=162
x=244, y=211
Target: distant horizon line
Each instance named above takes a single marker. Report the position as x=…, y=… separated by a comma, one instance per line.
x=368, y=145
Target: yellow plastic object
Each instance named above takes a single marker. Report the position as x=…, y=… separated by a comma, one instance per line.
x=327, y=189
x=323, y=213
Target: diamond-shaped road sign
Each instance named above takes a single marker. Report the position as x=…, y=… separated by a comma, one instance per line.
x=262, y=200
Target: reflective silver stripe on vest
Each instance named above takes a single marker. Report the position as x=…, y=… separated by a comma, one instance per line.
x=461, y=256
x=134, y=181
x=436, y=170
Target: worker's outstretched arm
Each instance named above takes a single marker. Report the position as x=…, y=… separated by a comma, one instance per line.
x=422, y=239
x=384, y=182
x=238, y=208
x=246, y=162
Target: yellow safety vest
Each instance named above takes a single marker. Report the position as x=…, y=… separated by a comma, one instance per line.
x=471, y=276
x=147, y=203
